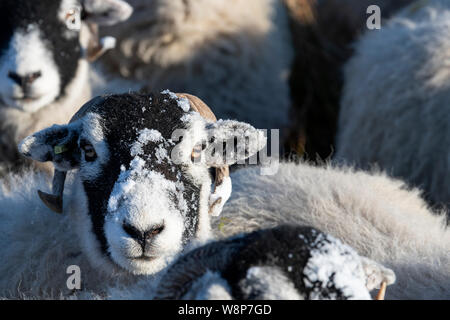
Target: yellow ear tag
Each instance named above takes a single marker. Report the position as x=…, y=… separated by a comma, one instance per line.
x=60, y=149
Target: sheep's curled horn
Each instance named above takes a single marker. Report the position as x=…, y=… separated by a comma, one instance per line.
x=222, y=183
x=119, y=11
x=55, y=201
x=97, y=46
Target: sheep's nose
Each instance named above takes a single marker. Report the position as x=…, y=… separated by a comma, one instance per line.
x=24, y=80
x=142, y=237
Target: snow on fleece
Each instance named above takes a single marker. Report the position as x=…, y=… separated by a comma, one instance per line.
x=331, y=259
x=124, y=190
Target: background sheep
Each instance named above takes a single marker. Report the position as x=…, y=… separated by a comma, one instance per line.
x=323, y=34
x=131, y=205
x=395, y=110
x=45, y=46
x=377, y=216
x=287, y=262
x=234, y=54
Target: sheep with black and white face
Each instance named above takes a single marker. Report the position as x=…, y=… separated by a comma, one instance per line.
x=287, y=262
x=138, y=197
x=45, y=47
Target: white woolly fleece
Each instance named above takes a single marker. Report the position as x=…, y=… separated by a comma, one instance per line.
x=38, y=246
x=394, y=109
x=372, y=213
x=233, y=54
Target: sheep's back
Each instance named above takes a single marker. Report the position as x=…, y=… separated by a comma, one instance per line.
x=394, y=109
x=378, y=216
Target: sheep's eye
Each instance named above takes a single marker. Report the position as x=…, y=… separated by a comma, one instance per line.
x=156, y=231
x=73, y=19
x=89, y=152
x=197, y=152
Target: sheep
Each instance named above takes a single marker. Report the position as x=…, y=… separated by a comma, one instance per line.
x=136, y=196
x=394, y=104
x=378, y=216
x=114, y=187
x=286, y=262
x=222, y=183
x=45, y=49
x=323, y=34
x=233, y=54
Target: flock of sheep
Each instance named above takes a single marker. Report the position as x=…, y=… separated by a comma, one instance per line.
x=142, y=224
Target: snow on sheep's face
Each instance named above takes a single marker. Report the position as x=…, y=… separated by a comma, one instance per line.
x=40, y=46
x=139, y=198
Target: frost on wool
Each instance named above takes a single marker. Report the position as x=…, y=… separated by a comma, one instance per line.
x=331, y=259
x=127, y=213
x=286, y=262
x=145, y=135
x=140, y=171
x=183, y=103
x=241, y=140
x=380, y=217
x=131, y=193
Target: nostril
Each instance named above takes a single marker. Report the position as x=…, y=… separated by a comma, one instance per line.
x=133, y=232
x=15, y=77
x=140, y=236
x=154, y=232
x=25, y=79
x=30, y=78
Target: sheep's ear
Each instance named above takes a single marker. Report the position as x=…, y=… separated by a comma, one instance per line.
x=231, y=142
x=58, y=144
x=376, y=274
x=106, y=12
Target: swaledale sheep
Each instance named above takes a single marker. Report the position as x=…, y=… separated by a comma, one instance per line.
x=44, y=51
x=222, y=181
x=394, y=110
x=135, y=198
x=374, y=214
x=286, y=262
x=234, y=54
x=128, y=193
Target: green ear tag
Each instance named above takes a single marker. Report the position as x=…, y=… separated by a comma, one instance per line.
x=60, y=149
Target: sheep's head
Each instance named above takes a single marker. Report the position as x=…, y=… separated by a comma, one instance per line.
x=142, y=183
x=41, y=44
